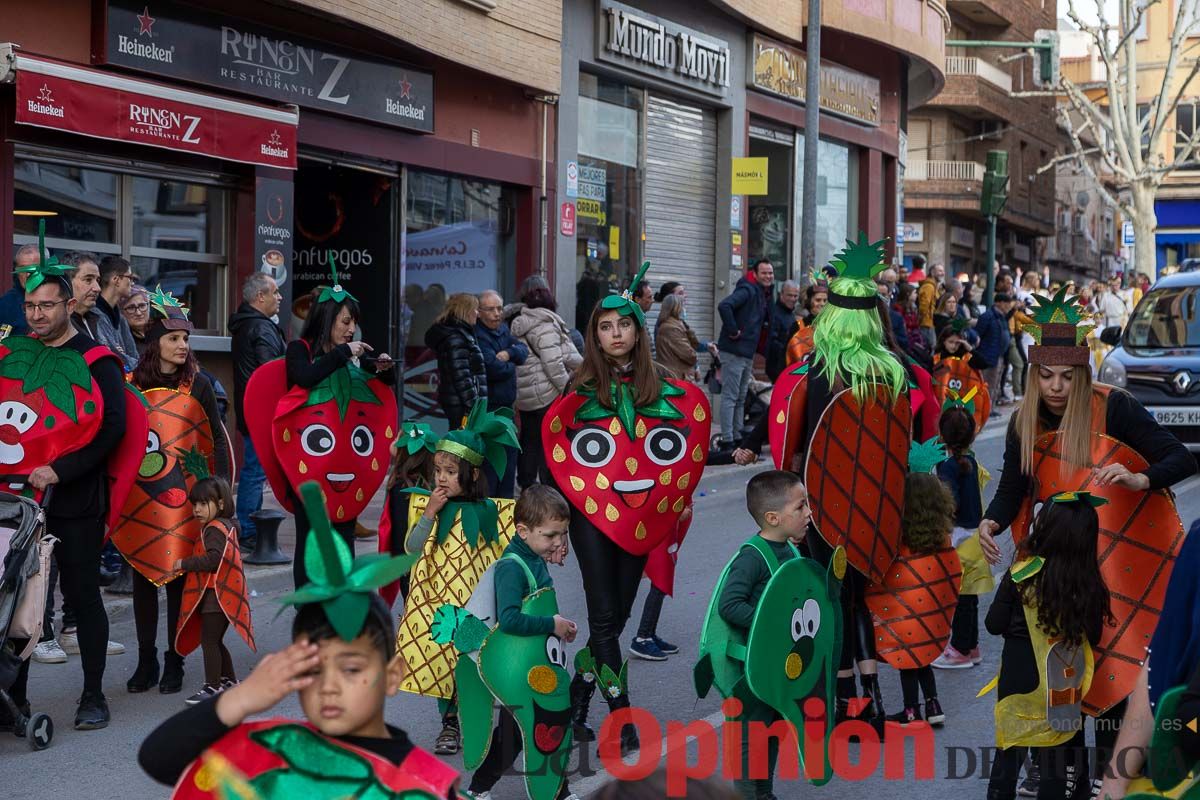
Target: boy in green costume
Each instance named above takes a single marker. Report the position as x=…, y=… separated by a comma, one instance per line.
x=512, y=637
x=772, y=634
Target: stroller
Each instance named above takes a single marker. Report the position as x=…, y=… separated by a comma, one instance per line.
x=25, y=550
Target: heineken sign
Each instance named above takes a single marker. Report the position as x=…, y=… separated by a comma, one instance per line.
x=661, y=48
x=171, y=39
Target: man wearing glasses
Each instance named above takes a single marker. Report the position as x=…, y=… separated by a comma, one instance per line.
x=11, y=311
x=75, y=512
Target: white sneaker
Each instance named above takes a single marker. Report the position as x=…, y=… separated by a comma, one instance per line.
x=69, y=640
x=479, y=795
x=49, y=653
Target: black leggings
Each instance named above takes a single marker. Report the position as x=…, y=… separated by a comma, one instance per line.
x=611, y=577
x=909, y=681
x=345, y=528
x=217, y=662
x=506, y=746
x=145, y=612
x=964, y=631
x=1062, y=771
x=531, y=465
x=858, y=641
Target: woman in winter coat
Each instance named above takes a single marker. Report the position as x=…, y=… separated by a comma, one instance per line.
x=543, y=376
x=675, y=345
x=462, y=376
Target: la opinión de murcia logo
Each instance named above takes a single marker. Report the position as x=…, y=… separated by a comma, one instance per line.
x=161, y=123
x=273, y=146
x=45, y=105
x=132, y=46
x=406, y=110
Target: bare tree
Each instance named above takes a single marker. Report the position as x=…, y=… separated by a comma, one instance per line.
x=1129, y=143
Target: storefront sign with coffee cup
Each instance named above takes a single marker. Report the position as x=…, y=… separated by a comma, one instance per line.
x=273, y=236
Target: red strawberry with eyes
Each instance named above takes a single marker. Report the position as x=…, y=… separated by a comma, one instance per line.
x=629, y=469
x=336, y=433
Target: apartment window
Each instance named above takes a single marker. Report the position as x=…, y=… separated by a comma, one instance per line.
x=174, y=231
x=1143, y=114
x=1186, y=155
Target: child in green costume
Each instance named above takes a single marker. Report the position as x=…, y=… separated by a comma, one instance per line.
x=542, y=517
x=779, y=504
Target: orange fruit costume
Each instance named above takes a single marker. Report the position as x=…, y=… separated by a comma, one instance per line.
x=156, y=525
x=229, y=584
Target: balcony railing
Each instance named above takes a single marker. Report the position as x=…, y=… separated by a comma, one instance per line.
x=944, y=171
x=969, y=65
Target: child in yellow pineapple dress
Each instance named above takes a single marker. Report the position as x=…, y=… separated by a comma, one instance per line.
x=459, y=532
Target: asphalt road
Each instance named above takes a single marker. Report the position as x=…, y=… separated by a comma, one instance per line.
x=102, y=764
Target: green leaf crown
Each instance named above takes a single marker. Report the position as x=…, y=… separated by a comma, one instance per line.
x=624, y=303
x=860, y=260
x=924, y=456
x=46, y=268
x=1059, y=310
x=335, y=293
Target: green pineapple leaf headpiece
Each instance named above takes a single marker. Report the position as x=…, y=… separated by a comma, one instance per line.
x=343, y=585
x=1059, y=329
x=194, y=462
x=1095, y=501
x=46, y=268
x=415, y=437
x=848, y=333
x=484, y=437
x=335, y=293
x=925, y=456
x=966, y=401
x=167, y=312
x=624, y=303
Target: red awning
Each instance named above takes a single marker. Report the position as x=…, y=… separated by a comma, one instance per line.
x=52, y=94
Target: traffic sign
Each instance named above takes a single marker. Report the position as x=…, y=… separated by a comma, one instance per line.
x=1127, y=234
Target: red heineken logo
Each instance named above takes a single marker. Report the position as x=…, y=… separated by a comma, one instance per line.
x=145, y=22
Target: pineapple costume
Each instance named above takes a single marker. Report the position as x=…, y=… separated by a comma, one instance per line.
x=467, y=538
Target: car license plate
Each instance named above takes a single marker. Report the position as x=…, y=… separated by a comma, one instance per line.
x=1176, y=416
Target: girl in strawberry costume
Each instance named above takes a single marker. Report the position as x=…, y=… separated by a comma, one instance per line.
x=157, y=525
x=626, y=447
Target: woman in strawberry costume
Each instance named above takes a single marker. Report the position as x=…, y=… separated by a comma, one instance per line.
x=325, y=413
x=157, y=525
x=1071, y=434
x=626, y=446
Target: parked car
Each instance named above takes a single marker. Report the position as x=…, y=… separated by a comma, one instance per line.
x=1157, y=356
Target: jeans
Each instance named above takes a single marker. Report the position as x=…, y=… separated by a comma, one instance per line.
x=249, y=491
x=651, y=611
x=736, y=372
x=995, y=381
x=1014, y=358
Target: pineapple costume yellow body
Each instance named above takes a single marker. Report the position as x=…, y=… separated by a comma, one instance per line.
x=447, y=572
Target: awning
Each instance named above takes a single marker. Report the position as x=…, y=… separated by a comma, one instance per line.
x=105, y=105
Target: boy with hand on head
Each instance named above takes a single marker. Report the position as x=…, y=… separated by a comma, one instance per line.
x=341, y=665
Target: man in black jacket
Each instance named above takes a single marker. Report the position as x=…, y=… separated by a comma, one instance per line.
x=256, y=340
x=79, y=500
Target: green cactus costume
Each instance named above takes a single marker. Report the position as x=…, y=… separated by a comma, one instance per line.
x=526, y=674
x=791, y=651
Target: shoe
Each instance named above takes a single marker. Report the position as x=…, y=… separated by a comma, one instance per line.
x=908, y=715
x=108, y=577
x=146, y=674
x=994, y=415
x=69, y=641
x=248, y=545
x=449, y=741
x=172, y=674
x=124, y=582
x=49, y=652
x=92, y=714
x=207, y=692
x=952, y=659
x=228, y=683
x=1029, y=786
x=665, y=646
x=933, y=712
x=581, y=698
x=1097, y=783
x=477, y=795
x=975, y=656
x=629, y=735
x=647, y=650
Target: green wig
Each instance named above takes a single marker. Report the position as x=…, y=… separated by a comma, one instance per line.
x=848, y=334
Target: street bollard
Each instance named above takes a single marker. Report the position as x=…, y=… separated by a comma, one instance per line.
x=266, y=548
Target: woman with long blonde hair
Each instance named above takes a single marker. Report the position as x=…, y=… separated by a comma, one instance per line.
x=1061, y=397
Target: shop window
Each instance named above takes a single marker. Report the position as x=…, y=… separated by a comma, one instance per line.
x=770, y=215
x=837, y=197
x=173, y=232
x=608, y=219
x=1185, y=128
x=460, y=238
